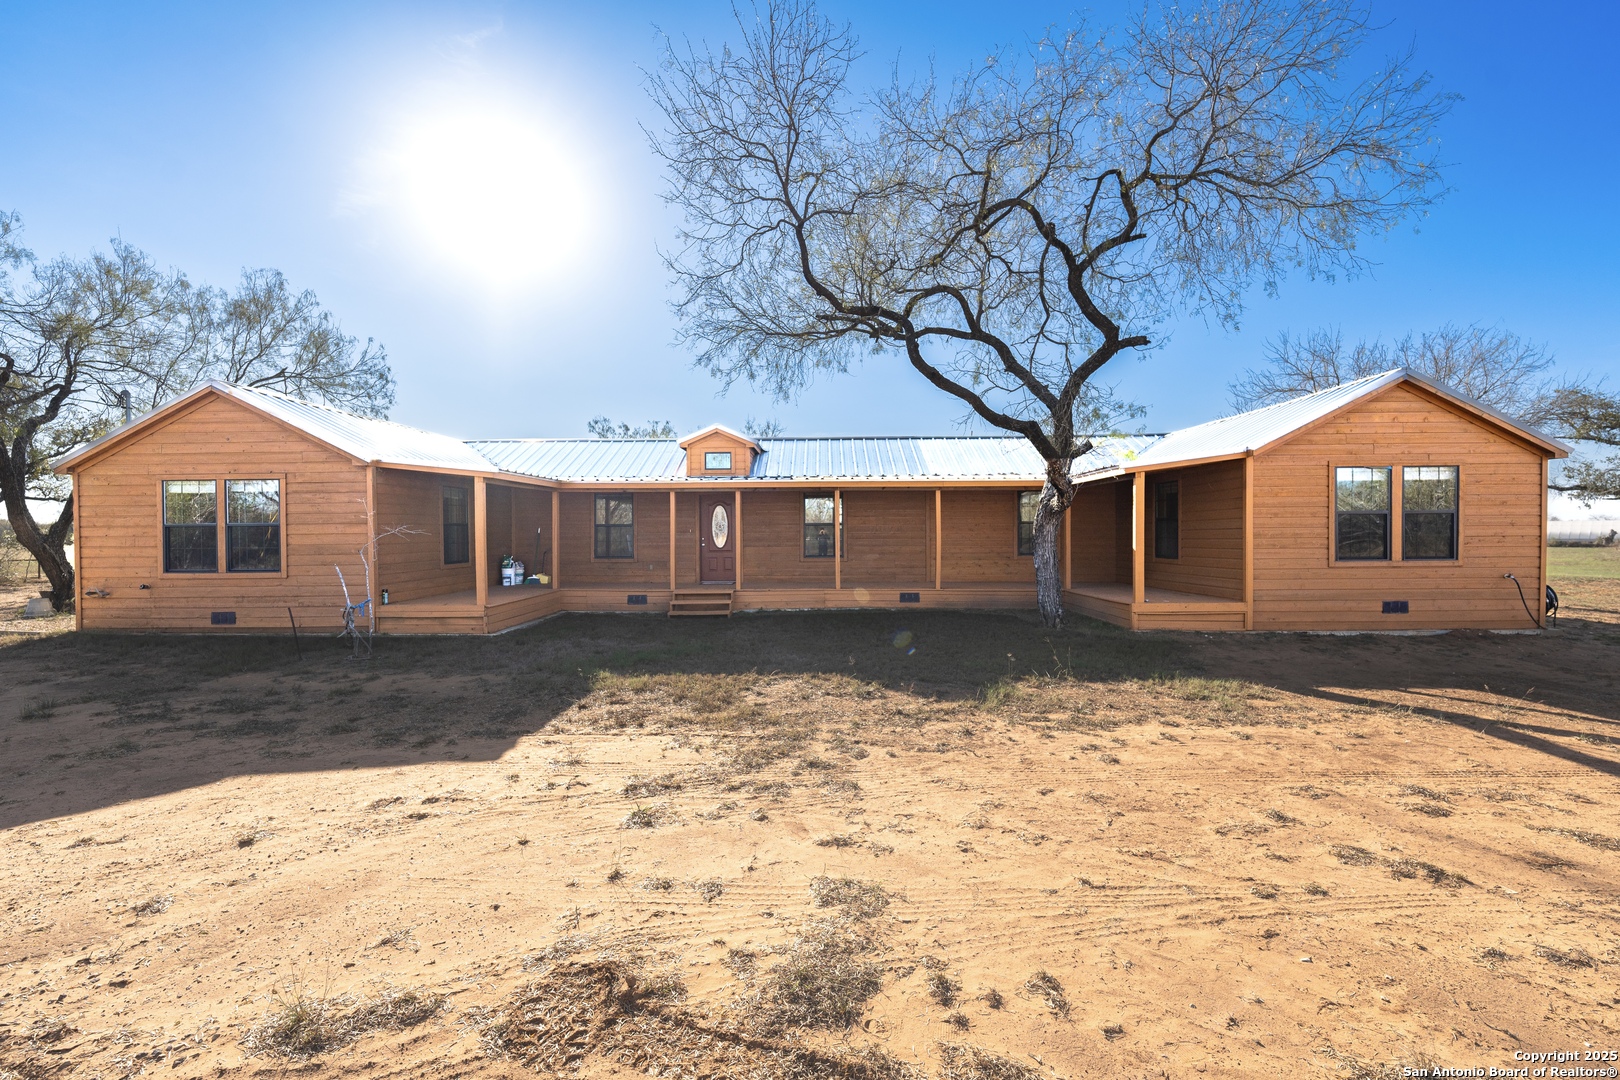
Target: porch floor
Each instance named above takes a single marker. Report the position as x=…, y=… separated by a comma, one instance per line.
x=464, y=602
x=1160, y=609
x=1119, y=593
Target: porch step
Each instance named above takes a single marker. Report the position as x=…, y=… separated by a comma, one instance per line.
x=700, y=602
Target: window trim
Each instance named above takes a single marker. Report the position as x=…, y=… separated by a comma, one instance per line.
x=281, y=524
x=1396, y=514
x=842, y=544
x=444, y=565
x=1456, y=517
x=163, y=525
x=627, y=495
x=220, y=536
x=1018, y=524
x=1155, y=485
x=726, y=468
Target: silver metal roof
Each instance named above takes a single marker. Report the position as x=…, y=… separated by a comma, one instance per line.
x=944, y=458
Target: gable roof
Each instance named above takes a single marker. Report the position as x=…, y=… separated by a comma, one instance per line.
x=378, y=442
x=1258, y=429
x=989, y=458
x=718, y=429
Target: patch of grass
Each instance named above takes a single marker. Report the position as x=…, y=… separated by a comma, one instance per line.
x=1591, y=839
x=992, y=997
x=37, y=709
x=156, y=905
x=837, y=840
x=1351, y=855
x=1264, y=890
x=1311, y=888
x=644, y=787
x=958, y=1061
x=1569, y=958
x=1583, y=562
x=1311, y=791
x=856, y=899
x=658, y=884
x=1424, y=793
x=824, y=979
x=1280, y=818
x=1430, y=809
x=710, y=890
x=301, y=1024
x=1045, y=988
x=649, y=816
x=1413, y=868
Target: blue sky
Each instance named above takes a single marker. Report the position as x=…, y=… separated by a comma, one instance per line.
x=223, y=136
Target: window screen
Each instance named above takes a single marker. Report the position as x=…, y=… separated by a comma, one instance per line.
x=818, y=528
x=1361, y=512
x=615, y=527
x=1167, y=520
x=1028, y=501
x=253, y=526
x=1429, y=512
x=457, y=548
x=190, y=527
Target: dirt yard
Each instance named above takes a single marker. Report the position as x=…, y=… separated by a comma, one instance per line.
x=851, y=845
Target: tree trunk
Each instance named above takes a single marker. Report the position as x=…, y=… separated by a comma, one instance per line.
x=1056, y=495
x=47, y=546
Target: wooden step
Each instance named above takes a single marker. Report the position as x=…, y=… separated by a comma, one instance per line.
x=700, y=602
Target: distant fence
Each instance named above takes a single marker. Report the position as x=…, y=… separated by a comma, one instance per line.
x=1595, y=533
x=19, y=568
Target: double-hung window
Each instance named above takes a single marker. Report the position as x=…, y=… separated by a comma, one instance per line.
x=1361, y=513
x=615, y=527
x=1028, y=501
x=818, y=528
x=1167, y=519
x=457, y=546
x=190, y=527
x=1429, y=512
x=253, y=526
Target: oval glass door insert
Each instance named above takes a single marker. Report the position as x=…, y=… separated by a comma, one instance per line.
x=719, y=526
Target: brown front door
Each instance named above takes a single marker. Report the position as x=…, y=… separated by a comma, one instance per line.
x=717, y=540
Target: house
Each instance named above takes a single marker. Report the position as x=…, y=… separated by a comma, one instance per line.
x=1390, y=503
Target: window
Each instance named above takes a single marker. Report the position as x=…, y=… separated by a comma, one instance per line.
x=190, y=527
x=1028, y=501
x=1361, y=510
x=1167, y=520
x=717, y=459
x=615, y=527
x=253, y=526
x=818, y=528
x=1429, y=512
x=457, y=549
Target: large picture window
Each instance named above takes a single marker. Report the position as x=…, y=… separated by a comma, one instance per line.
x=615, y=527
x=457, y=546
x=1167, y=520
x=818, y=528
x=1429, y=512
x=253, y=526
x=1028, y=501
x=190, y=527
x=1361, y=512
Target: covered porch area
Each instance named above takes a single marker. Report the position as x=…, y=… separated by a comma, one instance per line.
x=1165, y=550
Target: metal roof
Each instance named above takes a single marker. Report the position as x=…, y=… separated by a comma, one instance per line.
x=1246, y=432
x=381, y=442
x=916, y=458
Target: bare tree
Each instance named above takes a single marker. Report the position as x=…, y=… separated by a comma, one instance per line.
x=76, y=335
x=1493, y=366
x=603, y=428
x=1011, y=231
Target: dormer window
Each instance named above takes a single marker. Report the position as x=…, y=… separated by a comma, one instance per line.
x=717, y=461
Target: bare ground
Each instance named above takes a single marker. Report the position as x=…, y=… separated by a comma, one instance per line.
x=621, y=845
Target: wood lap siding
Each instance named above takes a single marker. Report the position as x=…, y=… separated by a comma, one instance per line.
x=1211, y=556
x=120, y=536
x=411, y=567
x=773, y=542
x=649, y=568
x=1094, y=533
x=1500, y=523
x=890, y=537
x=981, y=538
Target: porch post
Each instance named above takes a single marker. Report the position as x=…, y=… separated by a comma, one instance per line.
x=671, y=539
x=1139, y=543
x=374, y=555
x=939, y=543
x=1248, y=542
x=736, y=532
x=556, y=538
x=480, y=541
x=838, y=539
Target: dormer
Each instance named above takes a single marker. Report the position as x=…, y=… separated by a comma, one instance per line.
x=719, y=451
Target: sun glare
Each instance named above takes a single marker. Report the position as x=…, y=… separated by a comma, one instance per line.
x=493, y=194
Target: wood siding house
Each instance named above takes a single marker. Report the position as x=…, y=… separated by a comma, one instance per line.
x=1390, y=503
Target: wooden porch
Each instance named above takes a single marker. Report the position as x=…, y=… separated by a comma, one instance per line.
x=1159, y=609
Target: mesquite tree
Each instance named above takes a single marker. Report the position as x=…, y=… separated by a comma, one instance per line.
x=80, y=338
x=1013, y=230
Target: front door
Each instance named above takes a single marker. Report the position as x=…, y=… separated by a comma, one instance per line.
x=717, y=541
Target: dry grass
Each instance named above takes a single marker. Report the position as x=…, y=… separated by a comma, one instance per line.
x=961, y=1062
x=823, y=980
x=856, y=899
x=303, y=1024
x=1045, y=988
